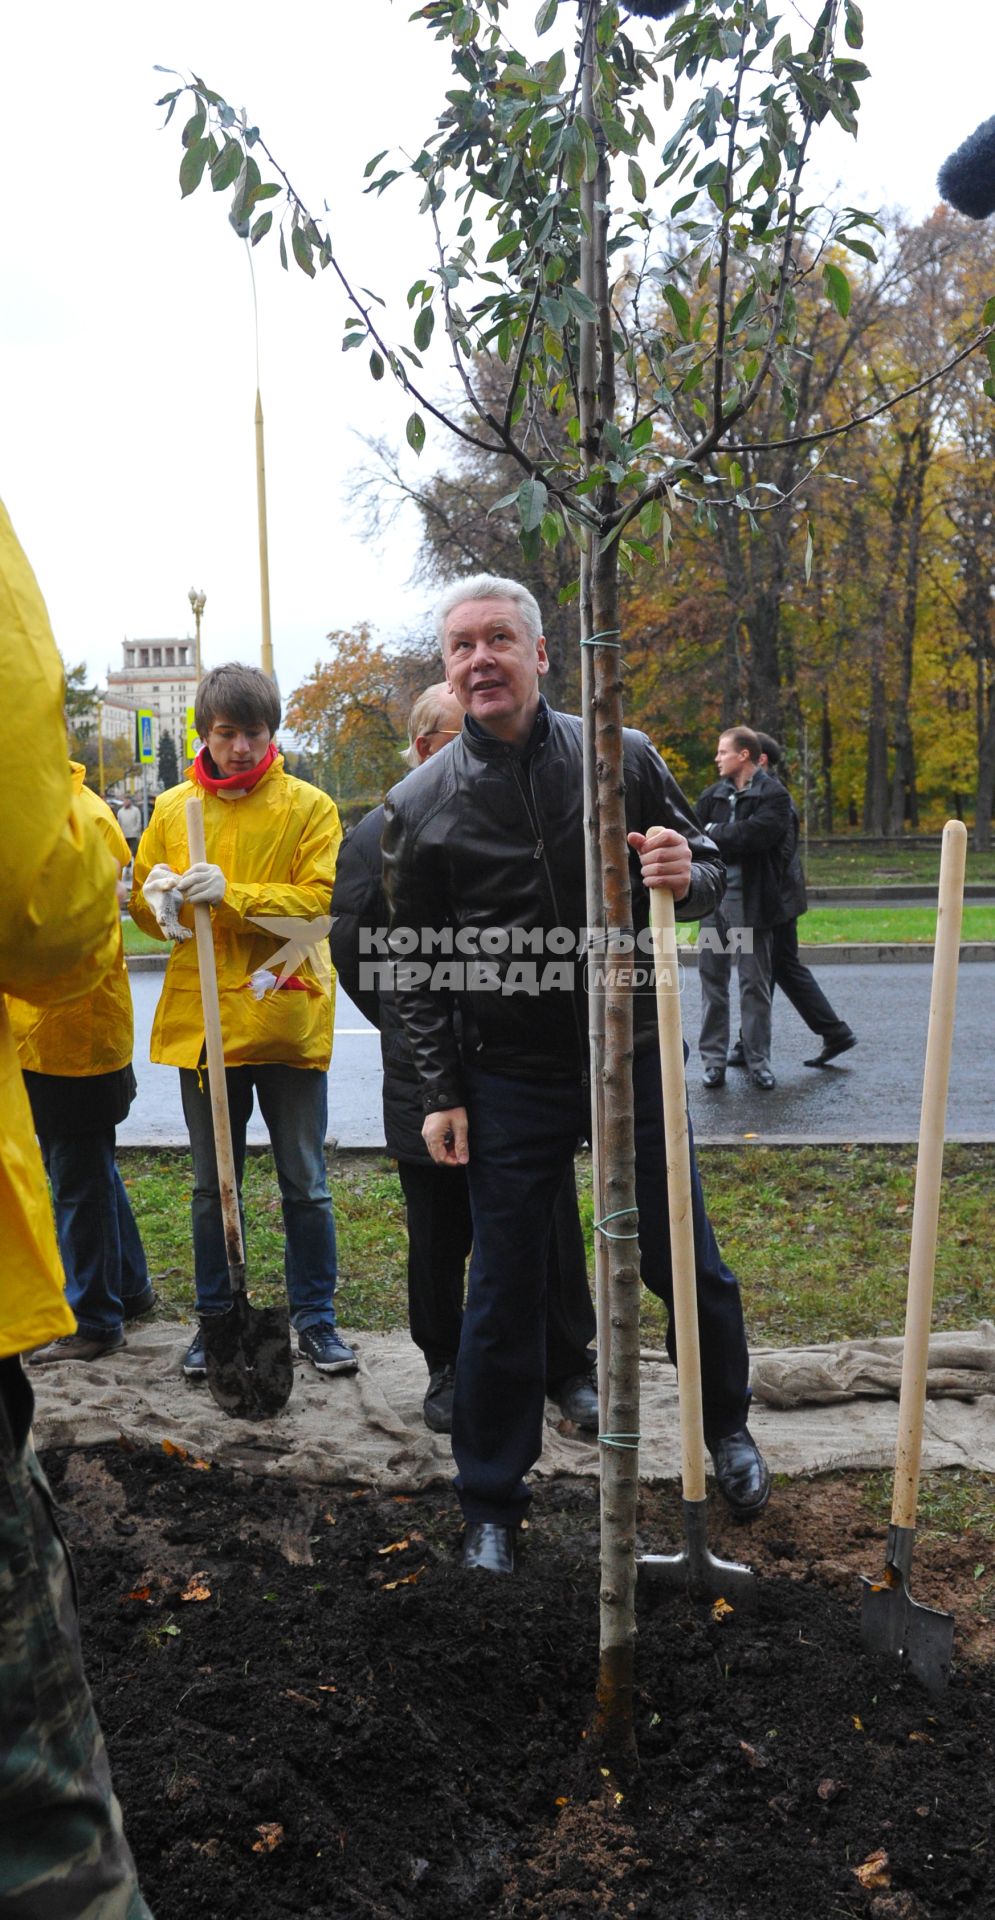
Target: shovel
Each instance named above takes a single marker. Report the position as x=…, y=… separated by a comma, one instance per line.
x=696, y=1569
x=249, y=1370
x=891, y=1622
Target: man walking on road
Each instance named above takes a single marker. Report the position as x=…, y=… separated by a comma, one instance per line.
x=748, y=815
x=487, y=843
x=796, y=981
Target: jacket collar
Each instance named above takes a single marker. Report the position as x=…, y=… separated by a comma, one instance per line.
x=486, y=747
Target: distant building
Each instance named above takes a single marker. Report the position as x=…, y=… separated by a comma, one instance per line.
x=161, y=676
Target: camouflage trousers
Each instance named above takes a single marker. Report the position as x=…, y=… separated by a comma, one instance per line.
x=63, y=1854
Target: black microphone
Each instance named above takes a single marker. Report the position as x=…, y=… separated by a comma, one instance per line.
x=967, y=179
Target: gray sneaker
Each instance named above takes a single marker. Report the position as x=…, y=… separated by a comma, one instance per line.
x=322, y=1346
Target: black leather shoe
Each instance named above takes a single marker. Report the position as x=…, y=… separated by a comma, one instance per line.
x=489, y=1547
x=437, y=1406
x=841, y=1043
x=713, y=1077
x=737, y=1057
x=577, y=1399
x=741, y=1472
x=763, y=1079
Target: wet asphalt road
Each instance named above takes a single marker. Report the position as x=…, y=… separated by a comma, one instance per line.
x=873, y=1094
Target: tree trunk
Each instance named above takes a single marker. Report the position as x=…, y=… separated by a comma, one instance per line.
x=986, y=779
x=617, y=1157
x=903, y=787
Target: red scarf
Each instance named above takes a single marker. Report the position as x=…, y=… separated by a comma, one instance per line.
x=234, y=782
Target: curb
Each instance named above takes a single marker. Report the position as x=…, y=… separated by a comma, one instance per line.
x=842, y=896
x=793, y=1140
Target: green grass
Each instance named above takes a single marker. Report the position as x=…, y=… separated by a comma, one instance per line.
x=818, y=1235
x=885, y=926
x=859, y=866
x=135, y=941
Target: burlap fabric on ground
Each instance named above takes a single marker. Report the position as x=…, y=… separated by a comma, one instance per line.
x=367, y=1429
x=961, y=1365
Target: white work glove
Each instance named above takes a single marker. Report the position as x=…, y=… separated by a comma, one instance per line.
x=262, y=982
x=162, y=893
x=203, y=885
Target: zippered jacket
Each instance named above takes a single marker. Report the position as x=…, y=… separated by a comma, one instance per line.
x=484, y=848
x=276, y=846
x=758, y=834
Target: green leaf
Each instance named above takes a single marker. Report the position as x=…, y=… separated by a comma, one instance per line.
x=637, y=180
x=988, y=316
x=414, y=433
x=736, y=474
x=261, y=227
x=854, y=32
x=194, y=129
x=505, y=245
x=990, y=353
x=642, y=434
x=302, y=251
x=376, y=365
x=227, y=167
x=532, y=497
x=423, y=328
x=192, y=166
x=838, y=288
x=546, y=15
x=809, y=553
x=680, y=310
x=372, y=165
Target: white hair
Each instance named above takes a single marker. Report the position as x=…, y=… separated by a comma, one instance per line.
x=425, y=716
x=489, y=586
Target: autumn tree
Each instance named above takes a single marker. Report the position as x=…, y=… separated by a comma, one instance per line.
x=350, y=716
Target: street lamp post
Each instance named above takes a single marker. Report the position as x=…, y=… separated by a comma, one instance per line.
x=198, y=601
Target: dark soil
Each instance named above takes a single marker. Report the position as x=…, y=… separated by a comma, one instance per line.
x=336, y=1721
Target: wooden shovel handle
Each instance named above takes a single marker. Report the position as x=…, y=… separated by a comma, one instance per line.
x=675, y=1127
x=215, y=1056
x=929, y=1168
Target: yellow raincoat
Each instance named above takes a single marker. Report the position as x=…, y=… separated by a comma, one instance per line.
x=94, y=1035
x=277, y=846
x=59, y=933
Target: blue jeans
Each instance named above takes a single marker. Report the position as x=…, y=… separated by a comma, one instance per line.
x=100, y=1245
x=294, y=1104
x=522, y=1137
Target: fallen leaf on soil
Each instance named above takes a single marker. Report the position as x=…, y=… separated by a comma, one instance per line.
x=270, y=1835
x=201, y=1466
x=140, y=1593
x=178, y=1453
x=330, y=1520
x=396, y=1546
x=829, y=1789
x=322, y=1689
x=561, y=1800
x=857, y=1721
x=874, y=1870
x=290, y=1693
x=753, y=1758
x=195, y=1588
x=721, y=1609
x=926, y=1739
x=406, y=1580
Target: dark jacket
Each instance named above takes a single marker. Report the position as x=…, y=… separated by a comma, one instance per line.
x=359, y=908
x=757, y=834
x=484, y=841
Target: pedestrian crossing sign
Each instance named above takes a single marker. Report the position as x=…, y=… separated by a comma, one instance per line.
x=144, y=752
x=193, y=737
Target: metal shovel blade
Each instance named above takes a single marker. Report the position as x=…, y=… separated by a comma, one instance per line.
x=250, y=1373
x=696, y=1569
x=892, y=1623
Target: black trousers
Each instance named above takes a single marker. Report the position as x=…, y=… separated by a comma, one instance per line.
x=440, y=1235
x=798, y=983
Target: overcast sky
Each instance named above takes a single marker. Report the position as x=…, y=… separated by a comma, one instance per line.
x=127, y=350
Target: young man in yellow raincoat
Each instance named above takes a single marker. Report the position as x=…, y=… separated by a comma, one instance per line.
x=271, y=846
x=76, y=1060
x=63, y=1850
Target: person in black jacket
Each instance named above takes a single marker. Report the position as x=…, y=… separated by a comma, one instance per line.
x=437, y=1200
x=485, y=847
x=748, y=815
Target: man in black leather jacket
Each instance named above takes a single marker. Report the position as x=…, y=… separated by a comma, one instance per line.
x=484, y=866
x=436, y=1198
